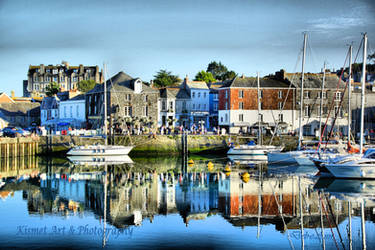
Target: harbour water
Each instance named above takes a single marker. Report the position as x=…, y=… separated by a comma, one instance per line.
x=163, y=203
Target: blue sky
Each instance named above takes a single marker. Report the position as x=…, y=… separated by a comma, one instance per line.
x=141, y=37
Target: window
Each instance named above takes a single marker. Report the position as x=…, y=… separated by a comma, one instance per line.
x=54, y=71
x=199, y=107
x=184, y=104
x=193, y=94
x=280, y=105
x=74, y=78
x=281, y=117
x=145, y=111
x=261, y=117
x=338, y=96
x=77, y=111
x=240, y=117
x=204, y=106
x=324, y=95
x=325, y=110
x=338, y=111
x=226, y=117
x=71, y=111
x=307, y=94
x=163, y=105
x=215, y=106
x=204, y=95
x=193, y=105
x=221, y=119
x=127, y=111
x=61, y=78
x=216, y=96
x=199, y=94
x=261, y=94
x=280, y=94
x=35, y=78
x=145, y=98
x=240, y=105
x=171, y=106
x=307, y=111
x=240, y=94
x=128, y=97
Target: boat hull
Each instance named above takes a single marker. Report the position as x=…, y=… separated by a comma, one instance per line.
x=365, y=171
x=252, y=150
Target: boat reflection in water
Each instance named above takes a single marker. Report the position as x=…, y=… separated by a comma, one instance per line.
x=159, y=202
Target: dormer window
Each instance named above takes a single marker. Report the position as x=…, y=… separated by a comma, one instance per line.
x=138, y=86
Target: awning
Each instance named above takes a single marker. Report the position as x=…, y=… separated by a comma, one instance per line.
x=241, y=124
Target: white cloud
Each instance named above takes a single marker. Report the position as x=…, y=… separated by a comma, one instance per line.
x=335, y=23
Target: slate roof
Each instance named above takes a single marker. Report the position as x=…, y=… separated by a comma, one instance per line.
x=314, y=80
x=20, y=109
x=197, y=85
x=121, y=82
x=174, y=92
x=49, y=102
x=251, y=82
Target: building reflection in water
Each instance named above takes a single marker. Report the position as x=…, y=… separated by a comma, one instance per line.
x=135, y=193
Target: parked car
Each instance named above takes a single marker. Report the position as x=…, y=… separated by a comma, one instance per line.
x=15, y=132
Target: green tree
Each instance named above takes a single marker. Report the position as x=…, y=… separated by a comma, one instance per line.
x=217, y=69
x=86, y=85
x=52, y=89
x=204, y=76
x=229, y=75
x=220, y=71
x=164, y=78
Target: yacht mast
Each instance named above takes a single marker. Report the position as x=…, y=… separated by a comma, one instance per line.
x=321, y=103
x=350, y=90
x=301, y=101
x=105, y=106
x=259, y=106
x=363, y=91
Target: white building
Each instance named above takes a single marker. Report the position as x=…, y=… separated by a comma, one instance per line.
x=72, y=112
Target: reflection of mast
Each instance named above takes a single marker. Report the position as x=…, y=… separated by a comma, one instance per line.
x=259, y=200
x=321, y=222
x=363, y=224
x=301, y=213
x=105, y=204
x=350, y=222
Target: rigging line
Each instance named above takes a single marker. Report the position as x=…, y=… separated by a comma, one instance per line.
x=282, y=217
x=341, y=101
x=328, y=219
x=334, y=222
x=312, y=55
x=331, y=107
x=287, y=93
x=309, y=210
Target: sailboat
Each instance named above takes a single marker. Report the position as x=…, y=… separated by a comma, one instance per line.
x=362, y=167
x=252, y=149
x=299, y=156
x=99, y=149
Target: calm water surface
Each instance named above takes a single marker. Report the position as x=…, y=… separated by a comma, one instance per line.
x=162, y=203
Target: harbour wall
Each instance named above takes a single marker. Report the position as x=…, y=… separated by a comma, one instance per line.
x=143, y=144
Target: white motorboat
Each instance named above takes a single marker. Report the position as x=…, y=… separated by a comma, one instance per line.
x=252, y=149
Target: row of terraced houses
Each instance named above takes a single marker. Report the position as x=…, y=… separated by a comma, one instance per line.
x=231, y=104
